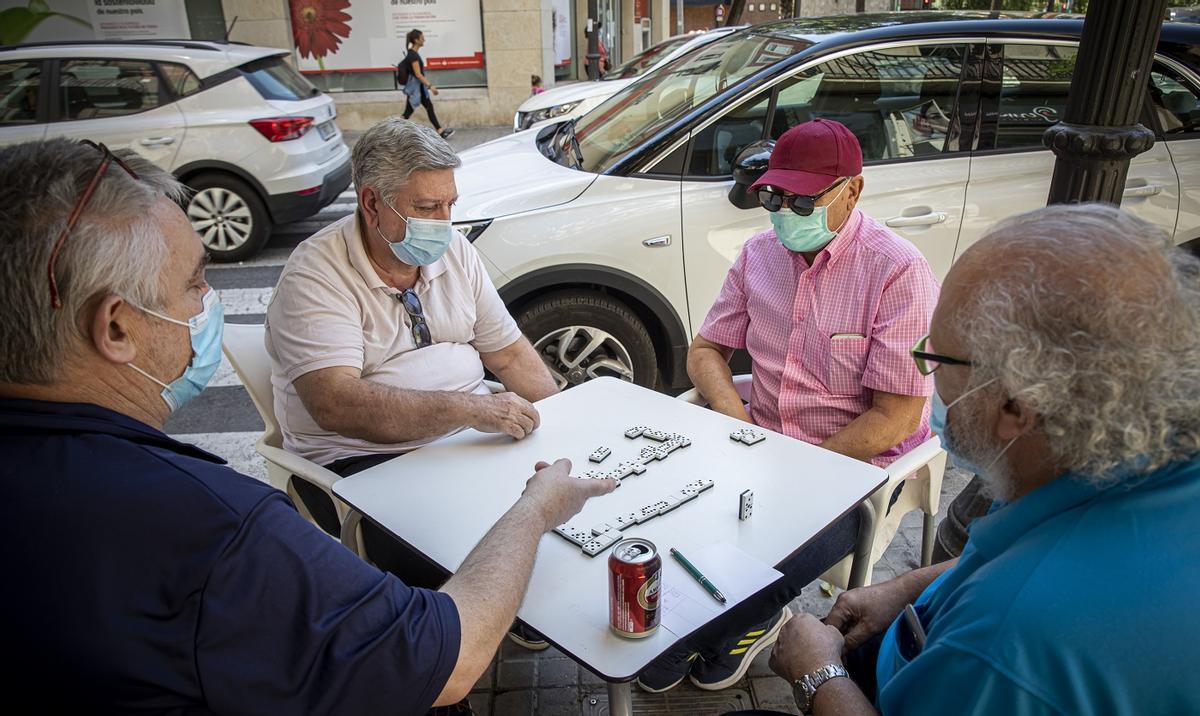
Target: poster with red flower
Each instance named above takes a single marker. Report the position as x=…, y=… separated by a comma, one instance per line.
x=319, y=26
x=369, y=35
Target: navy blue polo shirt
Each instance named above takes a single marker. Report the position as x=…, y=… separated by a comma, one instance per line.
x=144, y=574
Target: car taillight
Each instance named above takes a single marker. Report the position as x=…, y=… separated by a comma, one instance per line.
x=281, y=129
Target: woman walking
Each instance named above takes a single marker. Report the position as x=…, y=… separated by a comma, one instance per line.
x=417, y=88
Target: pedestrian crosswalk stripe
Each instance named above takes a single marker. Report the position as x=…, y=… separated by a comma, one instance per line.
x=242, y=301
x=236, y=447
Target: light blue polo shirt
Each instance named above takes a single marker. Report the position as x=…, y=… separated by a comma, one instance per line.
x=1074, y=599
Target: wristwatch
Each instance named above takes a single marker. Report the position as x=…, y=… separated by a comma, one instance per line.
x=805, y=688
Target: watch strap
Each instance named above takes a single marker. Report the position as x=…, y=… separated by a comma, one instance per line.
x=806, y=686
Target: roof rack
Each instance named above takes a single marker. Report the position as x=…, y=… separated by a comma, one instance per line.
x=189, y=44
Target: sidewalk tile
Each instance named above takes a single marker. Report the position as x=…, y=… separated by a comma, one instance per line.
x=514, y=703
x=516, y=675
x=557, y=672
x=773, y=693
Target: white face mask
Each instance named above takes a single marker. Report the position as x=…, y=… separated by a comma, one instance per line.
x=972, y=451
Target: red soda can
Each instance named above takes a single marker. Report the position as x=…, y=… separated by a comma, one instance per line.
x=634, y=579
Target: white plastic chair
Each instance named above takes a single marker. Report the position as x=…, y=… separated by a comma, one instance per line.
x=245, y=347
x=920, y=469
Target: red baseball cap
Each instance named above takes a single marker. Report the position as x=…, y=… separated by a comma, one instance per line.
x=810, y=156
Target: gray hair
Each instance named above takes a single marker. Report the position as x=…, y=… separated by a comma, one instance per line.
x=1091, y=316
x=116, y=247
x=388, y=153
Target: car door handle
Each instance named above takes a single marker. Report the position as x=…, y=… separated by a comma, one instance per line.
x=157, y=141
x=1144, y=190
x=929, y=219
x=657, y=241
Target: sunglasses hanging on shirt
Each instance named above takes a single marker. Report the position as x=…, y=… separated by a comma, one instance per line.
x=412, y=305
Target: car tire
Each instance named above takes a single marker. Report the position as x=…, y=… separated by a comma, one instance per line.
x=229, y=216
x=603, y=337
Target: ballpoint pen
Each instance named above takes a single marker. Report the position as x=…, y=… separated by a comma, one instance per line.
x=691, y=569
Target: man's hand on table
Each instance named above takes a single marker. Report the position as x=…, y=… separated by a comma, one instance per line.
x=506, y=413
x=805, y=644
x=557, y=495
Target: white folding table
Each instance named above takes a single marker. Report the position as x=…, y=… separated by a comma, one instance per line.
x=442, y=498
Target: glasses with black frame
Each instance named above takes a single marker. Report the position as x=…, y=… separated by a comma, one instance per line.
x=801, y=204
x=106, y=159
x=412, y=305
x=927, y=361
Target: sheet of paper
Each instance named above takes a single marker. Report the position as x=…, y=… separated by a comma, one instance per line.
x=687, y=606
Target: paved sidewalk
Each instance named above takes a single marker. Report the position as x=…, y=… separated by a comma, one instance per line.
x=548, y=683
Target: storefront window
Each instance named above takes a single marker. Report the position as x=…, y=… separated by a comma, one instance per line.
x=355, y=47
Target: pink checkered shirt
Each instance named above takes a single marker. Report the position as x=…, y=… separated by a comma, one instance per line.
x=823, y=337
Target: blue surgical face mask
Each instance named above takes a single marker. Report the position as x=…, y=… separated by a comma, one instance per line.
x=205, y=328
x=425, y=240
x=957, y=452
x=804, y=233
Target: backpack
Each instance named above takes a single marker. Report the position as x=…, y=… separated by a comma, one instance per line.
x=402, y=71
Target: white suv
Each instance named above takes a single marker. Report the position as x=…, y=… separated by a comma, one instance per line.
x=255, y=140
x=609, y=237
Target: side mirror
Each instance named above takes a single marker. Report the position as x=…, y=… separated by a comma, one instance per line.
x=751, y=163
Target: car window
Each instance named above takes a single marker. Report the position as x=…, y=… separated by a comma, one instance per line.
x=180, y=79
x=1033, y=93
x=1175, y=102
x=899, y=102
x=619, y=126
x=275, y=79
x=19, y=87
x=644, y=61
x=95, y=89
x=717, y=145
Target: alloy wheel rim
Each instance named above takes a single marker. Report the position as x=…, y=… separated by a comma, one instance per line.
x=221, y=217
x=576, y=354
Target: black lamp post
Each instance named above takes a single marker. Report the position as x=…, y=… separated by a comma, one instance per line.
x=1100, y=133
x=593, y=38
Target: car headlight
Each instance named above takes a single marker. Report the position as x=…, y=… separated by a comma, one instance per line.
x=539, y=115
x=472, y=229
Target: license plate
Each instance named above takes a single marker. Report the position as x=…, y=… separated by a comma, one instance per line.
x=327, y=129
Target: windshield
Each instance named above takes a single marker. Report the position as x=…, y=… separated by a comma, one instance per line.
x=640, y=63
x=613, y=130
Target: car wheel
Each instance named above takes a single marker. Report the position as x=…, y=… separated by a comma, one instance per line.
x=585, y=334
x=230, y=218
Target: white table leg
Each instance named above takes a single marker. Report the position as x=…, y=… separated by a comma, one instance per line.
x=620, y=699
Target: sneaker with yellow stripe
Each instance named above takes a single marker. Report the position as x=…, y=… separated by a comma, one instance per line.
x=735, y=658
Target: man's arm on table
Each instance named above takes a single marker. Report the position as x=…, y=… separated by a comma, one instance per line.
x=708, y=369
x=521, y=370
x=341, y=401
x=890, y=419
x=490, y=585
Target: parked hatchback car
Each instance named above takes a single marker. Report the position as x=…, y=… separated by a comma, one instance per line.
x=255, y=141
x=578, y=98
x=610, y=237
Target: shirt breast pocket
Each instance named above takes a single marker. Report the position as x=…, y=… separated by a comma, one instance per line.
x=847, y=359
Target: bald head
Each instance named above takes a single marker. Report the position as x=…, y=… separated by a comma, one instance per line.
x=1089, y=317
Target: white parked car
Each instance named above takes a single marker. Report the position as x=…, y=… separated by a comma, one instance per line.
x=576, y=99
x=609, y=238
x=255, y=140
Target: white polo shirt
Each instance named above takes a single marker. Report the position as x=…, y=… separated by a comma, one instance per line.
x=331, y=308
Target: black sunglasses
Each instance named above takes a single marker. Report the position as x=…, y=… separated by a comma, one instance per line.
x=800, y=204
x=412, y=305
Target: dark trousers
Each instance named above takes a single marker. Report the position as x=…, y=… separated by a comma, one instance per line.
x=427, y=103
x=387, y=552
